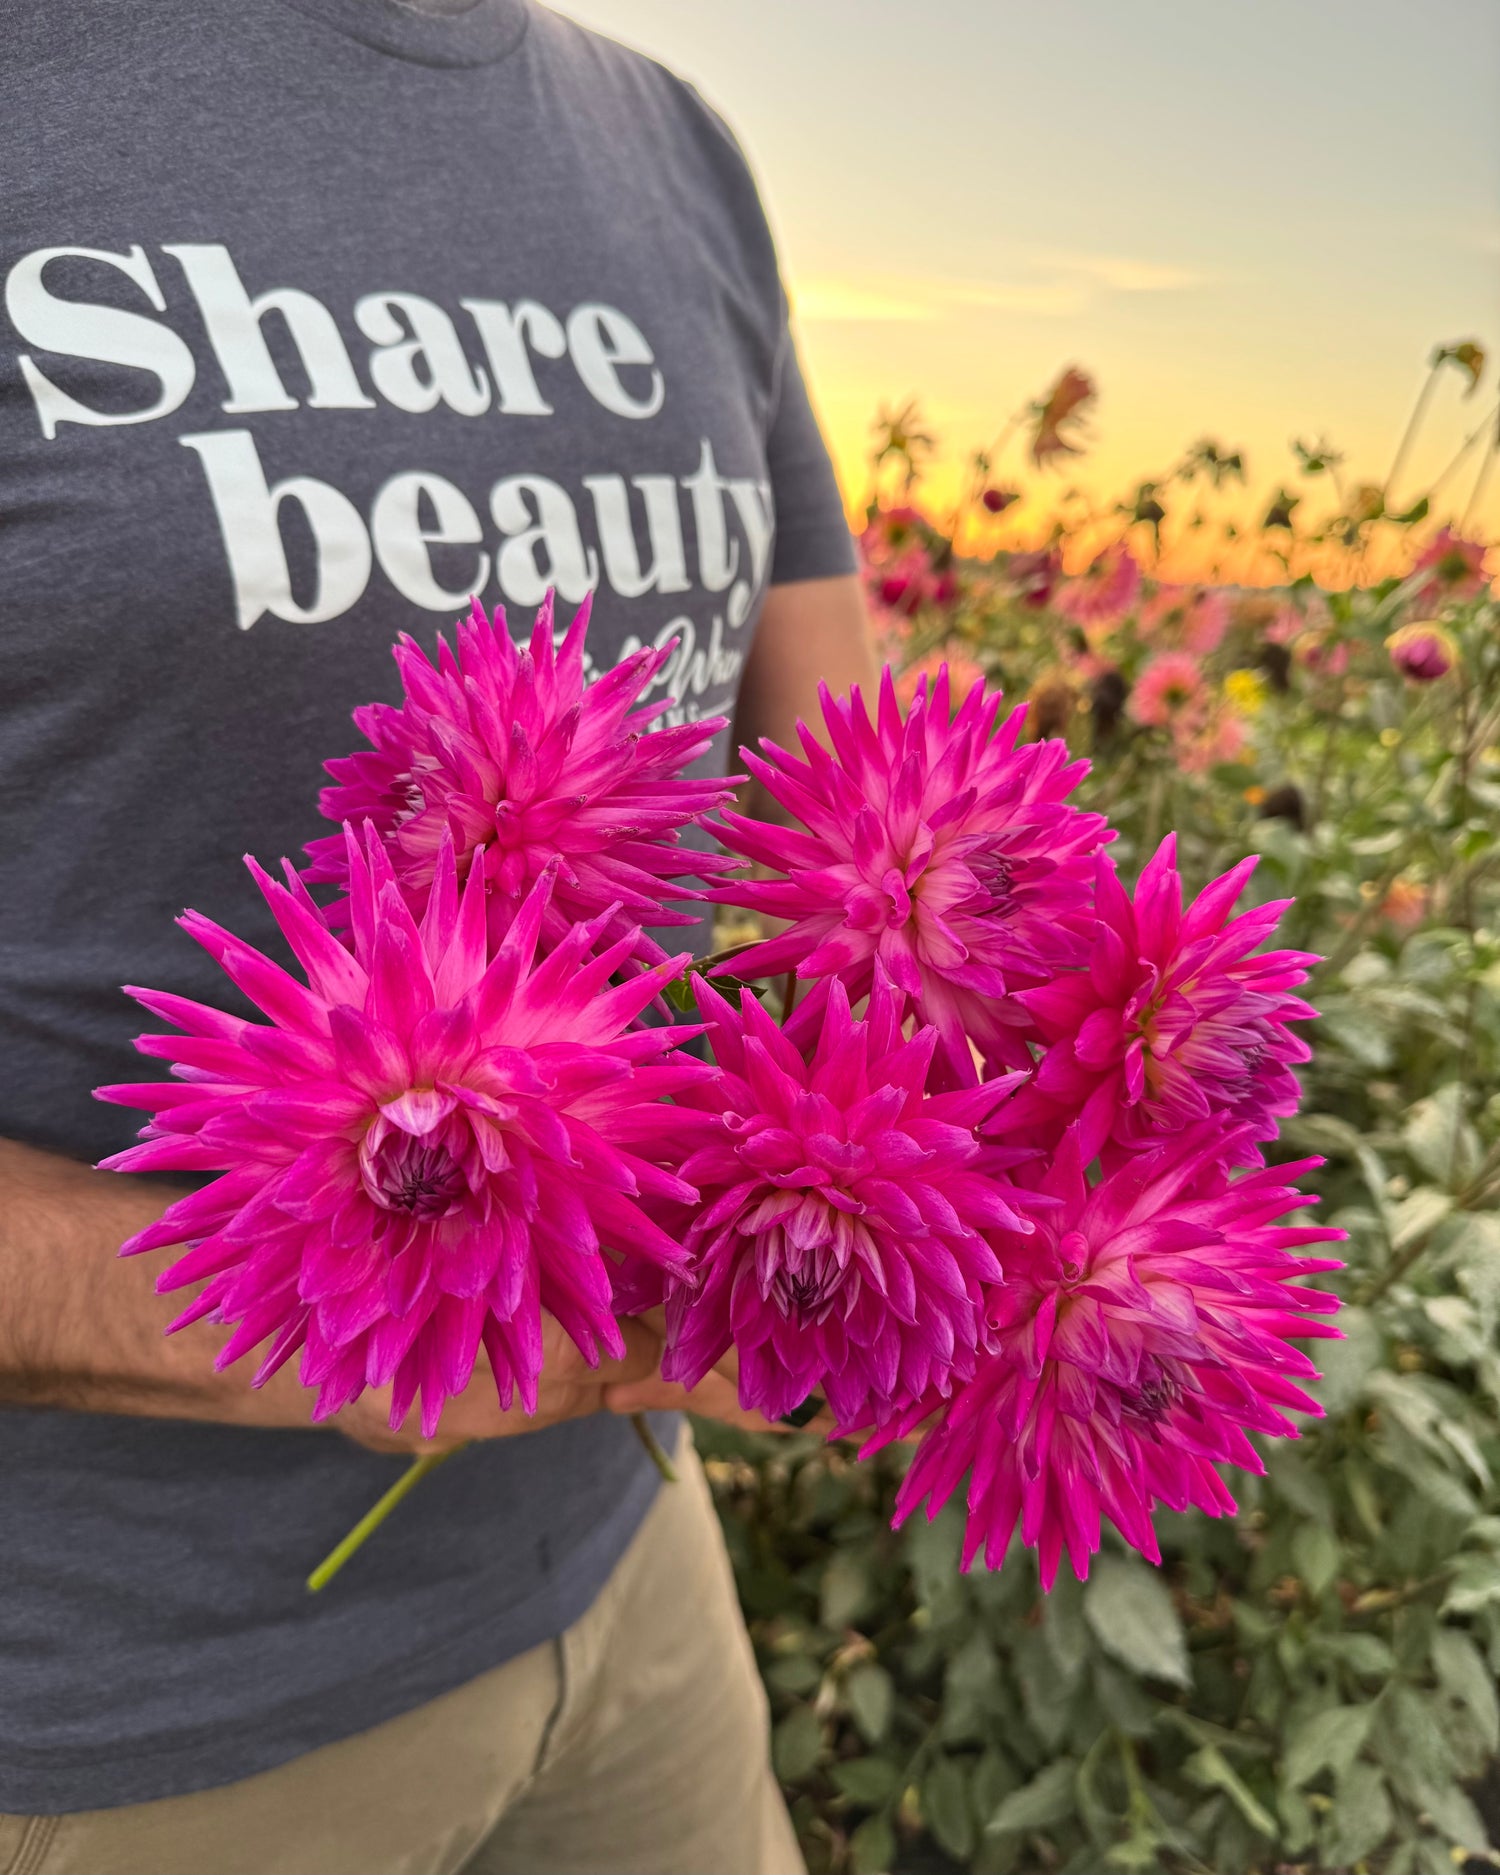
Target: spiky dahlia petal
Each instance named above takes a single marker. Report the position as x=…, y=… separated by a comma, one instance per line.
x=507, y=753
x=425, y=1147
x=932, y=845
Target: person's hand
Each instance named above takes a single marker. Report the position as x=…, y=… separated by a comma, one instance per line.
x=716, y=1396
x=568, y=1389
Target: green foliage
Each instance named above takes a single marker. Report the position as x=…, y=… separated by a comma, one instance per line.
x=1310, y=1686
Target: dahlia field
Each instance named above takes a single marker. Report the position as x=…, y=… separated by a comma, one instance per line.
x=1307, y=1684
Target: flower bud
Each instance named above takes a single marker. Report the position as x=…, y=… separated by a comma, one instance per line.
x=1423, y=651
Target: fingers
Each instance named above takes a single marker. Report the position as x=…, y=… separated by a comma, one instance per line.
x=642, y=1357
x=714, y=1397
x=569, y=1389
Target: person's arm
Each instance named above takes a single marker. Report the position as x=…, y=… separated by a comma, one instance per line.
x=83, y=1329
x=811, y=631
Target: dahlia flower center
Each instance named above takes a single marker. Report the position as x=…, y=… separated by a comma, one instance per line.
x=1156, y=1392
x=996, y=874
x=806, y=1283
x=417, y=1175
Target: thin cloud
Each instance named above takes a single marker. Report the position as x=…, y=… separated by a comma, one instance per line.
x=861, y=300
x=1059, y=286
x=1119, y=273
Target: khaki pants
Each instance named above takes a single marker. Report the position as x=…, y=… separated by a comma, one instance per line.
x=636, y=1742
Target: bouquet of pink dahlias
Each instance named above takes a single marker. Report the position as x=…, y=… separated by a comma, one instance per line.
x=998, y=1171
x=1132, y=1058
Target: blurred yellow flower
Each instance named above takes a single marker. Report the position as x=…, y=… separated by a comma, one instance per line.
x=1245, y=692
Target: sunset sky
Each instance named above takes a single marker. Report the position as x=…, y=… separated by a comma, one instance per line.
x=1252, y=221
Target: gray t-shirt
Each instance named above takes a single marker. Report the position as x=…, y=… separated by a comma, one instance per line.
x=320, y=315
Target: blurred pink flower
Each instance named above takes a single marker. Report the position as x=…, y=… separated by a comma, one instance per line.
x=1454, y=568
x=1286, y=625
x=1033, y=577
x=897, y=551
x=1103, y=594
x=1322, y=653
x=890, y=532
x=1169, y=691
x=1187, y=618
x=1221, y=740
x=902, y=585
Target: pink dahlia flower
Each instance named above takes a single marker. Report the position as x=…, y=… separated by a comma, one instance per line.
x=1103, y=594
x=422, y=1149
x=934, y=846
x=507, y=754
x=1142, y=1332
x=1186, y=618
x=1454, y=569
x=1173, y=1019
x=840, y=1242
x=1170, y=692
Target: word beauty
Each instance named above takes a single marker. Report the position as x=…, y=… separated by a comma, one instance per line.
x=663, y=530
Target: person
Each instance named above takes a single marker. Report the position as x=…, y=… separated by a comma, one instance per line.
x=319, y=316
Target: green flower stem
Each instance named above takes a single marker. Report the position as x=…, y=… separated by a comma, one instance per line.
x=373, y=1518
x=1413, y=424
x=653, y=1446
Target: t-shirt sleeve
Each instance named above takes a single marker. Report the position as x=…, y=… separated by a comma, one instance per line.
x=812, y=535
